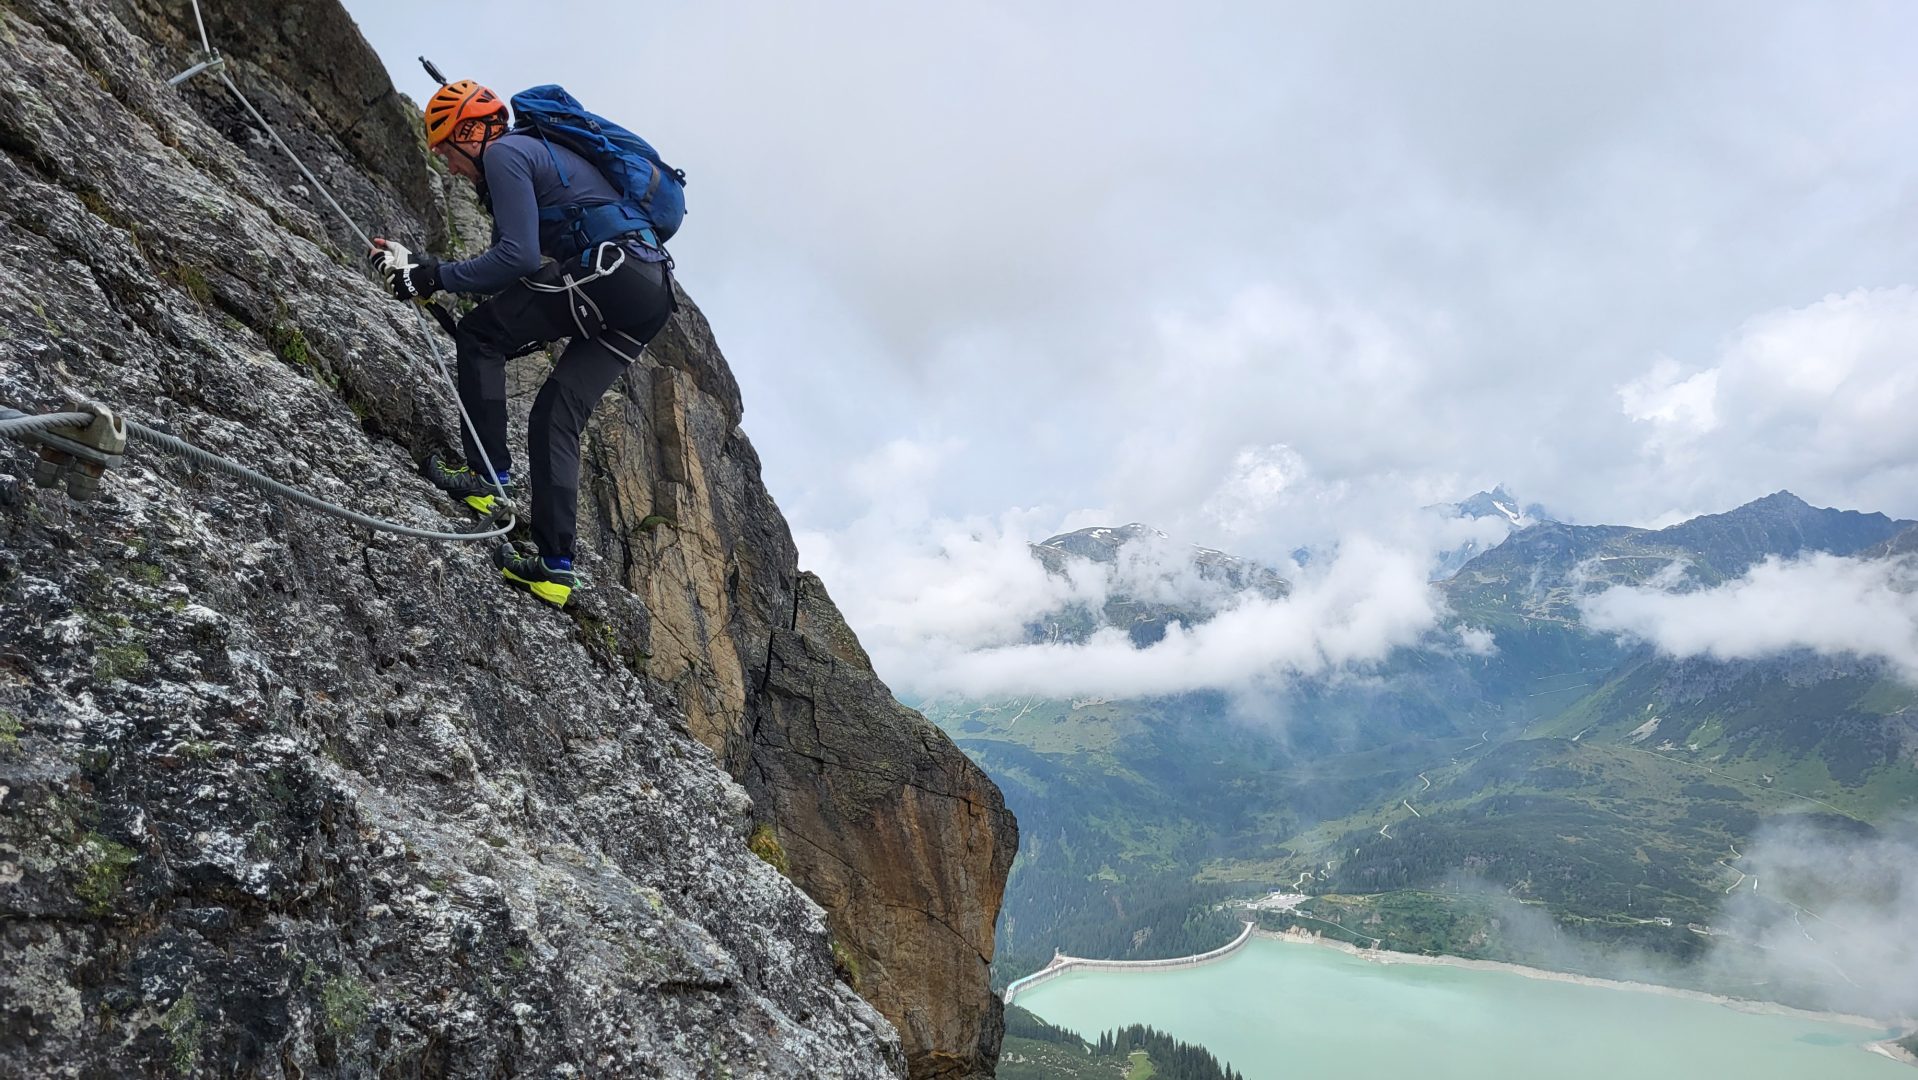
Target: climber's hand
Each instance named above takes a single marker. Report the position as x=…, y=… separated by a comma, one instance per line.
x=418, y=281
x=386, y=256
x=408, y=276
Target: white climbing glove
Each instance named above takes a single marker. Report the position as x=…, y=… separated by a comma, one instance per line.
x=389, y=255
x=407, y=277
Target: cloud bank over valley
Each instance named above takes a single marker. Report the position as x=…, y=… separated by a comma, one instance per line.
x=963, y=612
x=1365, y=603
x=1825, y=604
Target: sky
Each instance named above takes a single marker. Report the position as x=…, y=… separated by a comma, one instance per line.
x=1264, y=275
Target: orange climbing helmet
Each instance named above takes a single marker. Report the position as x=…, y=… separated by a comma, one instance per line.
x=452, y=105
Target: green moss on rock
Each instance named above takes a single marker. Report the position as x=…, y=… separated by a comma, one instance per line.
x=192, y=281
x=10, y=729
x=845, y=963
x=103, y=871
x=182, y=1023
x=766, y=845
x=344, y=999
x=289, y=342
x=119, y=662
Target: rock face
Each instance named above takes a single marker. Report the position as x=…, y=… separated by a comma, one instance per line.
x=871, y=808
x=835, y=758
x=281, y=797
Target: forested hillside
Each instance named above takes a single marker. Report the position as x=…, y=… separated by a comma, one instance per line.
x=1036, y=1050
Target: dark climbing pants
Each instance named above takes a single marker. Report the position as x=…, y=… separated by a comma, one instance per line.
x=632, y=303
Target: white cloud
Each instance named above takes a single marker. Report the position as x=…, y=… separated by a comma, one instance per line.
x=1823, y=918
x=1477, y=642
x=1823, y=603
x=1158, y=569
x=1344, y=386
x=1259, y=478
x=1661, y=396
x=1352, y=613
x=1832, y=914
x=1815, y=398
x=916, y=589
x=901, y=468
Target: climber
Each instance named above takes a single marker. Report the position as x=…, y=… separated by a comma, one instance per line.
x=609, y=289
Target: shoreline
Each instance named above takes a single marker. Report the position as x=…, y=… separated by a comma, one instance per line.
x=1886, y=1047
x=1890, y=1048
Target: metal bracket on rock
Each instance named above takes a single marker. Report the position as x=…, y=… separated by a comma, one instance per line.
x=78, y=456
x=211, y=60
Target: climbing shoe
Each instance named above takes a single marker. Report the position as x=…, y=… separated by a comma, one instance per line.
x=463, y=483
x=552, y=580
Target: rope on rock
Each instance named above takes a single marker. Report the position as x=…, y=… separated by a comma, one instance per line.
x=274, y=134
x=273, y=487
x=18, y=426
x=61, y=425
x=212, y=61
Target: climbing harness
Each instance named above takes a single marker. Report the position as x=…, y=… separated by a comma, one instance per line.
x=582, y=307
x=78, y=447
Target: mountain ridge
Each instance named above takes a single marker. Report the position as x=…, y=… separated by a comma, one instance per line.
x=1562, y=561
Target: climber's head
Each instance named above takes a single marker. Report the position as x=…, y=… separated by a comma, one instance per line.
x=461, y=118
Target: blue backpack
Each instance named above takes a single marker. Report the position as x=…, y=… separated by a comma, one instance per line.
x=652, y=193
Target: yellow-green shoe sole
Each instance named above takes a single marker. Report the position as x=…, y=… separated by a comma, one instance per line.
x=483, y=503
x=550, y=591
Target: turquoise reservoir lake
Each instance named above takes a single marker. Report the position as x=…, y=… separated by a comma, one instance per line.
x=1292, y=1011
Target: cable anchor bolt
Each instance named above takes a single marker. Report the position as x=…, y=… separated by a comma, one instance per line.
x=80, y=456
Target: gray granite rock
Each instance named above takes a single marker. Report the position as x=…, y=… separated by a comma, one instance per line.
x=280, y=797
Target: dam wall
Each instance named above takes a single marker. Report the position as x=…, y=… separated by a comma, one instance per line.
x=1061, y=963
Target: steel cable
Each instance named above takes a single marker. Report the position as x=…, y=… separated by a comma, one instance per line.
x=23, y=426
x=18, y=426
x=26, y=426
x=271, y=486
x=419, y=316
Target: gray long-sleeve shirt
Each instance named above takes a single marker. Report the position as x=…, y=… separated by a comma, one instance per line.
x=523, y=174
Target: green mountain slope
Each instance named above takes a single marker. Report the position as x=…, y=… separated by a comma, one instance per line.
x=1539, y=572
x=1607, y=787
